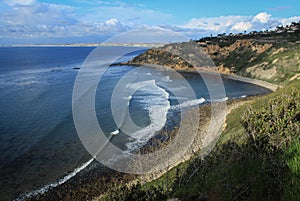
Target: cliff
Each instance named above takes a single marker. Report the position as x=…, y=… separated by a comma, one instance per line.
x=271, y=56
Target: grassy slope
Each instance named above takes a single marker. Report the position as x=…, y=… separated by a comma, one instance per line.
x=240, y=173
x=237, y=171
x=287, y=63
x=234, y=170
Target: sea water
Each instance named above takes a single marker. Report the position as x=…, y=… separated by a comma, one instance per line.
x=39, y=144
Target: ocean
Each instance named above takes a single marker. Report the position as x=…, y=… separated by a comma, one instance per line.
x=39, y=144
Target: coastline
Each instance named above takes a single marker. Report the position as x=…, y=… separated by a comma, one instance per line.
x=102, y=44
x=202, y=145
x=204, y=141
x=261, y=83
x=98, y=181
x=209, y=139
x=206, y=71
x=95, y=181
x=207, y=135
x=267, y=85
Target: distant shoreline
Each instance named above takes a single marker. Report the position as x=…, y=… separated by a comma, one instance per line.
x=150, y=45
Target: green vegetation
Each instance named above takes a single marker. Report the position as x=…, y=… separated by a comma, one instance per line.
x=238, y=59
x=274, y=125
x=258, y=154
x=272, y=56
x=272, y=62
x=256, y=158
x=286, y=34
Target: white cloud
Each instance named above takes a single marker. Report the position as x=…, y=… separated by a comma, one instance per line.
x=286, y=21
x=112, y=25
x=19, y=2
x=216, y=24
x=262, y=18
x=241, y=26
x=112, y=21
x=196, y=28
x=30, y=19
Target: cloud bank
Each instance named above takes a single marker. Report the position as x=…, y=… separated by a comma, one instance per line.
x=234, y=24
x=32, y=21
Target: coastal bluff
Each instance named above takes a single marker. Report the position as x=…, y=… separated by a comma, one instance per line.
x=259, y=55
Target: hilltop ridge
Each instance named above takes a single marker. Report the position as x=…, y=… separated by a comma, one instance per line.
x=272, y=56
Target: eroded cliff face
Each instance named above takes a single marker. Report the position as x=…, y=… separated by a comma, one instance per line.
x=256, y=58
x=271, y=61
x=239, y=47
x=163, y=58
x=178, y=56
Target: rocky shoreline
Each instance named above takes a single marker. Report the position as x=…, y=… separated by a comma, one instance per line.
x=207, y=71
x=97, y=180
x=239, y=58
x=95, y=183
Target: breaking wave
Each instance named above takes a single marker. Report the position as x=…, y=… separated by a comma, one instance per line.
x=45, y=188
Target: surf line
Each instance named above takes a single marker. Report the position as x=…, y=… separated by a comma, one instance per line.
x=63, y=180
x=46, y=188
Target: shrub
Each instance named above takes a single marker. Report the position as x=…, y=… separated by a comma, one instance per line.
x=273, y=126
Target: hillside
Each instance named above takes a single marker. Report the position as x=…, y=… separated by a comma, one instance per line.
x=258, y=154
x=256, y=158
x=271, y=56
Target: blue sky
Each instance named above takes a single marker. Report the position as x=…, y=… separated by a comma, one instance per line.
x=69, y=21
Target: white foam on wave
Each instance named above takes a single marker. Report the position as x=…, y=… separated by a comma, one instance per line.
x=239, y=97
x=219, y=100
x=116, y=132
x=155, y=94
x=157, y=103
x=127, y=98
x=189, y=103
x=166, y=79
x=46, y=188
